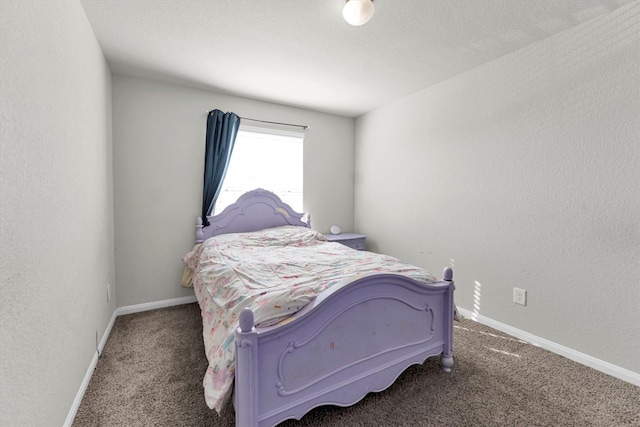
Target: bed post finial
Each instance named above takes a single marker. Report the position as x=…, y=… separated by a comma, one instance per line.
x=447, y=274
x=246, y=320
x=199, y=232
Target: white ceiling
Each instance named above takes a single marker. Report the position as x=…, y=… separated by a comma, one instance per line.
x=302, y=53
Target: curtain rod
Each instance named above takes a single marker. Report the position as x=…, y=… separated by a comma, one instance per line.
x=275, y=123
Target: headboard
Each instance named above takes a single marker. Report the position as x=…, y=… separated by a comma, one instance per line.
x=254, y=210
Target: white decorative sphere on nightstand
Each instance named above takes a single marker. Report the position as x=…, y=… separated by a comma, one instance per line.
x=335, y=229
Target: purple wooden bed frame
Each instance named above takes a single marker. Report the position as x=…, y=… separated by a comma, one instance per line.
x=344, y=344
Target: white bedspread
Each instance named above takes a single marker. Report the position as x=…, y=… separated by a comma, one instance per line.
x=274, y=272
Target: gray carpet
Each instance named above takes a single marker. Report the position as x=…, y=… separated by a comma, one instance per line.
x=150, y=374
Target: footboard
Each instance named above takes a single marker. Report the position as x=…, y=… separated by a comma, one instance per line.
x=345, y=344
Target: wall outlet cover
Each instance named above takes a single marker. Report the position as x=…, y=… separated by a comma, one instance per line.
x=520, y=296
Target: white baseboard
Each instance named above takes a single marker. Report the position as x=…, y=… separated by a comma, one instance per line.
x=87, y=377
x=576, y=356
x=130, y=309
x=137, y=308
x=80, y=394
x=107, y=332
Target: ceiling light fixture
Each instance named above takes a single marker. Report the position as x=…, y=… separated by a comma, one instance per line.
x=358, y=12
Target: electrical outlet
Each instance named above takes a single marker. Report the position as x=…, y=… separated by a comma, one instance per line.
x=520, y=296
x=108, y=291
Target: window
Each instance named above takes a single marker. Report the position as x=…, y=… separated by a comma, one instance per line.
x=264, y=158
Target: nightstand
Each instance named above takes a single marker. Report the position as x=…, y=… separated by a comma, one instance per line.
x=353, y=240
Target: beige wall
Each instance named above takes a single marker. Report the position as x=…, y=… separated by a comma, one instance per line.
x=158, y=138
x=524, y=172
x=56, y=207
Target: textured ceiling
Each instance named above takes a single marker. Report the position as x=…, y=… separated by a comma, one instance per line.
x=302, y=53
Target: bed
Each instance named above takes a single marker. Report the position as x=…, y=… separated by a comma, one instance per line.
x=325, y=342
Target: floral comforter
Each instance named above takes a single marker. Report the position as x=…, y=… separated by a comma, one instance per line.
x=274, y=272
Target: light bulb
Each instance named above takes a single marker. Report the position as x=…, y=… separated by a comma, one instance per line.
x=358, y=12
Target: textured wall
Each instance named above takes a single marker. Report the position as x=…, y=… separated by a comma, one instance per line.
x=158, y=139
x=524, y=172
x=56, y=207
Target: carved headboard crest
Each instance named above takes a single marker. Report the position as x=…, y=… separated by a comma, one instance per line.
x=254, y=210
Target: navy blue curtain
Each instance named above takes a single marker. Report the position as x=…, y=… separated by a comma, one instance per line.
x=222, y=129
